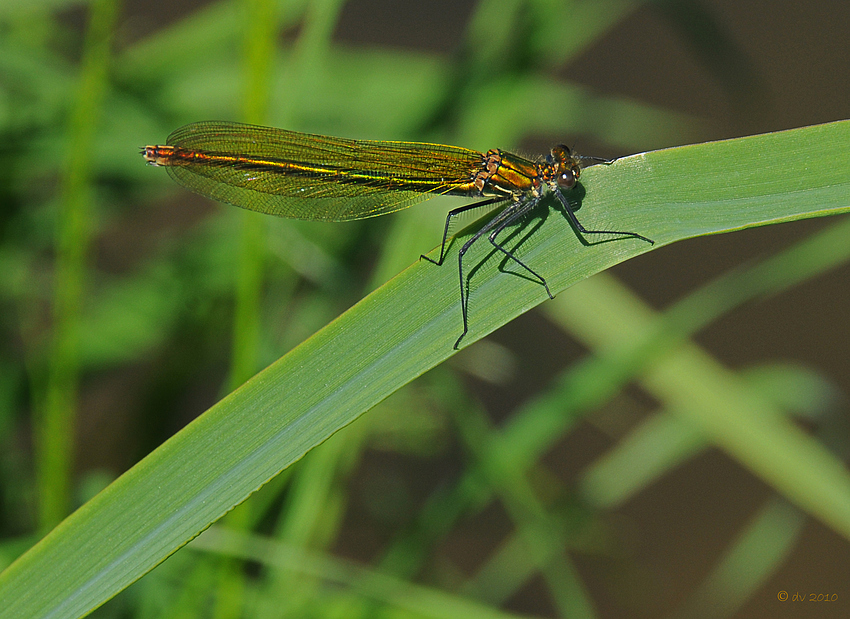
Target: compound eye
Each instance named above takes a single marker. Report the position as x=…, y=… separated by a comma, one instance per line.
x=567, y=179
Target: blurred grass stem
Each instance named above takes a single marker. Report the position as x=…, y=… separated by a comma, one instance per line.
x=55, y=427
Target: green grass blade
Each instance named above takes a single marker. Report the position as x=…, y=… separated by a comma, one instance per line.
x=397, y=333
x=54, y=431
x=712, y=398
x=759, y=551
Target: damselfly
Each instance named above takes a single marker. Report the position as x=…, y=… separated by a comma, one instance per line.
x=316, y=177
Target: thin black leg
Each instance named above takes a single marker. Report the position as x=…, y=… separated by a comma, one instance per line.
x=515, y=214
x=497, y=224
x=464, y=298
x=568, y=210
x=454, y=213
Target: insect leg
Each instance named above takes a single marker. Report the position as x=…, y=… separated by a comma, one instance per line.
x=568, y=210
x=454, y=213
x=464, y=297
x=515, y=214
